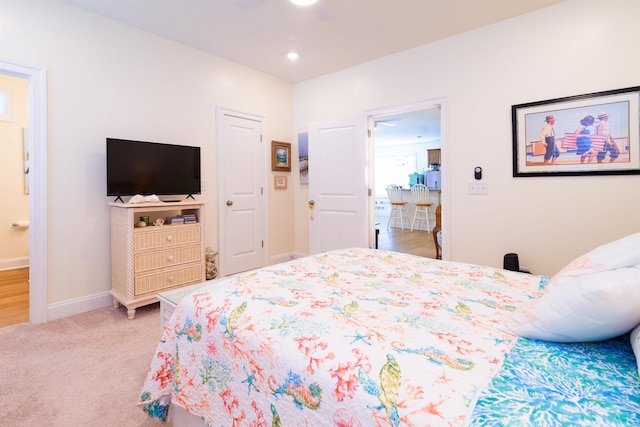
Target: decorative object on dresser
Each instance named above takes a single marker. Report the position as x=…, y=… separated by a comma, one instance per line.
x=149, y=260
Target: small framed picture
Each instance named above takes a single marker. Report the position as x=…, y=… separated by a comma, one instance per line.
x=280, y=156
x=280, y=182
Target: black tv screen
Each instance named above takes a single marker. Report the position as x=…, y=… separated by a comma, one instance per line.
x=145, y=168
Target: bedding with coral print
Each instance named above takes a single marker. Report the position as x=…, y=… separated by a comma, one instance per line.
x=550, y=384
x=353, y=337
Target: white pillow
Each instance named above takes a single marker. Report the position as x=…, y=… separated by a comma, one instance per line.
x=590, y=307
x=635, y=344
x=591, y=299
x=624, y=252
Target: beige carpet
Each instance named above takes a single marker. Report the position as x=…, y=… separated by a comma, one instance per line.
x=83, y=370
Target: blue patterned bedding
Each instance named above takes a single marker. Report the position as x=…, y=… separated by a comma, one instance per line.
x=553, y=384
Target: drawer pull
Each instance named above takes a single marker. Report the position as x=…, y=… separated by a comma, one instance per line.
x=170, y=258
x=171, y=279
x=169, y=238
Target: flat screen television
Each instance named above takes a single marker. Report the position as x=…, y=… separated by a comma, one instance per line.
x=146, y=168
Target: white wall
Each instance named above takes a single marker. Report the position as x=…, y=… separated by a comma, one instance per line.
x=14, y=202
x=108, y=80
x=575, y=47
x=389, y=160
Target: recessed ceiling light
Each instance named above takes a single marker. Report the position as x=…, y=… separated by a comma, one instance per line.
x=293, y=56
x=303, y=2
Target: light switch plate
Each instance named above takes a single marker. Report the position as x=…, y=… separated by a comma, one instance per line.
x=479, y=187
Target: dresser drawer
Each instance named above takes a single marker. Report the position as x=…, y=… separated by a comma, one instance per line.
x=166, y=236
x=147, y=261
x=168, y=279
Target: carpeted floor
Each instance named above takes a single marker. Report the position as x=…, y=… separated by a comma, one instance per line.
x=83, y=370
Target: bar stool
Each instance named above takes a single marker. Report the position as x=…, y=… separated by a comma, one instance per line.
x=398, y=207
x=420, y=195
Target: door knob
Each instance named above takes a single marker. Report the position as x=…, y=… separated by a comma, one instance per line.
x=312, y=203
x=229, y=203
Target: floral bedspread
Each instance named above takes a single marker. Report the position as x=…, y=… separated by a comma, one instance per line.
x=353, y=337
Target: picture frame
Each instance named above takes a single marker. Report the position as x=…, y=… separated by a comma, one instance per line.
x=280, y=156
x=591, y=134
x=280, y=182
x=303, y=157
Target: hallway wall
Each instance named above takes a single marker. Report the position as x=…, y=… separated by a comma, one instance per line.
x=14, y=201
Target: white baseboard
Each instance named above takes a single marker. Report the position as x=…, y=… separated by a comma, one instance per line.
x=79, y=305
x=281, y=258
x=13, y=263
x=285, y=257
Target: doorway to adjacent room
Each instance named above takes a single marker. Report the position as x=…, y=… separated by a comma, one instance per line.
x=14, y=189
x=37, y=183
x=404, y=141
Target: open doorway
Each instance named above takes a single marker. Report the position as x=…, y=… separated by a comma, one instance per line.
x=37, y=184
x=14, y=190
x=406, y=150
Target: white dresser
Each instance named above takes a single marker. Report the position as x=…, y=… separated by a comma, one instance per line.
x=152, y=259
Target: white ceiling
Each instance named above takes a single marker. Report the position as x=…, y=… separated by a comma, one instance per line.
x=407, y=128
x=329, y=36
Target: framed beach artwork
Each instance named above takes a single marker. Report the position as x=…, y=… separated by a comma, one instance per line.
x=280, y=156
x=591, y=134
x=303, y=157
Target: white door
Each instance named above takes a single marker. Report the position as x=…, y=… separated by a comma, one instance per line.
x=338, y=192
x=240, y=190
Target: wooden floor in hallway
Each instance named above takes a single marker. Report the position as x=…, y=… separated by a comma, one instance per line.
x=14, y=296
x=416, y=242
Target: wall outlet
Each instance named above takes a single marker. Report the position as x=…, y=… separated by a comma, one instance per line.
x=479, y=187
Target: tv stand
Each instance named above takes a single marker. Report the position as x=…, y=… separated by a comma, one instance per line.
x=190, y=196
x=148, y=260
x=118, y=198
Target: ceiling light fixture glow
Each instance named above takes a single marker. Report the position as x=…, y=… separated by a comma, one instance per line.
x=293, y=56
x=303, y=2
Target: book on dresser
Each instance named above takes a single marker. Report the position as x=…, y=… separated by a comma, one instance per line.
x=148, y=260
x=175, y=220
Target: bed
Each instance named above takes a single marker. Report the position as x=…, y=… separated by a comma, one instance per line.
x=365, y=337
